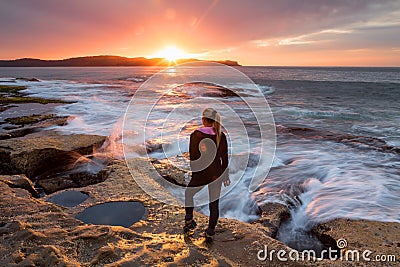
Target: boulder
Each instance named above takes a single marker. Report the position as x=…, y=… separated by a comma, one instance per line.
x=58, y=181
x=169, y=171
x=272, y=216
x=35, y=127
x=36, y=153
x=19, y=181
x=27, y=79
x=357, y=141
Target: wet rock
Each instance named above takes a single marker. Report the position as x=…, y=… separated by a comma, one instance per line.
x=28, y=79
x=33, y=154
x=169, y=171
x=209, y=89
x=16, y=133
x=31, y=119
x=272, y=216
x=19, y=181
x=379, y=237
x=356, y=141
x=57, y=182
x=37, y=124
x=53, y=121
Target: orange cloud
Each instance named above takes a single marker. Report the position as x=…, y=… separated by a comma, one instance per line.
x=254, y=33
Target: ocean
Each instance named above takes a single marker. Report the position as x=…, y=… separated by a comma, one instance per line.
x=337, y=132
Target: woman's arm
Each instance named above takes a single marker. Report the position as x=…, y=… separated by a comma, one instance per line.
x=194, y=152
x=224, y=158
x=224, y=152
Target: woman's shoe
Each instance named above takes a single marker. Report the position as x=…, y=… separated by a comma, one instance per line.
x=209, y=234
x=189, y=227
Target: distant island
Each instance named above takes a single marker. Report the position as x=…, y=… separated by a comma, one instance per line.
x=104, y=61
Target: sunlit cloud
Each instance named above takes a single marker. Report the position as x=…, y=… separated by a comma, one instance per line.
x=312, y=38
x=253, y=33
x=294, y=41
x=261, y=43
x=316, y=37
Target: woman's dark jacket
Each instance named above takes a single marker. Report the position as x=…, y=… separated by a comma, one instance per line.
x=203, y=152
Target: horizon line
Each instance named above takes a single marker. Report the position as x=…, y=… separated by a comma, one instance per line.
x=206, y=60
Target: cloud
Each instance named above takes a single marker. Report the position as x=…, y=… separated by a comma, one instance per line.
x=74, y=27
x=376, y=34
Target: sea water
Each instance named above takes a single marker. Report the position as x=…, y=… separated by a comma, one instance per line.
x=320, y=178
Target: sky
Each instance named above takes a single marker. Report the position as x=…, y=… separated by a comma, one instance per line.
x=252, y=32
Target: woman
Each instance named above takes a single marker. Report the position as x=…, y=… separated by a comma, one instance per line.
x=208, y=151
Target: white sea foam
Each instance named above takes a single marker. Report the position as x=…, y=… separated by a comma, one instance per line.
x=336, y=181
x=331, y=179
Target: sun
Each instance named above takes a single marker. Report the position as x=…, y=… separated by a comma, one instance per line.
x=172, y=53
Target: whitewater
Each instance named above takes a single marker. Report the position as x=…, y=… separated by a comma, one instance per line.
x=319, y=178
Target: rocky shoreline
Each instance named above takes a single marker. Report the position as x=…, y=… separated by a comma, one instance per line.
x=22, y=114
x=36, y=232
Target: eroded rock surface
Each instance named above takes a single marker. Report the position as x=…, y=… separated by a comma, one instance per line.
x=36, y=232
x=60, y=181
x=381, y=238
x=272, y=216
x=169, y=171
x=36, y=153
x=22, y=130
x=357, y=141
x=19, y=181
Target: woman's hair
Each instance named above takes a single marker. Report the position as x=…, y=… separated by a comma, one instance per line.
x=213, y=117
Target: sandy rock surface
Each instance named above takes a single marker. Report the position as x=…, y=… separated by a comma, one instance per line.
x=35, y=232
x=381, y=238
